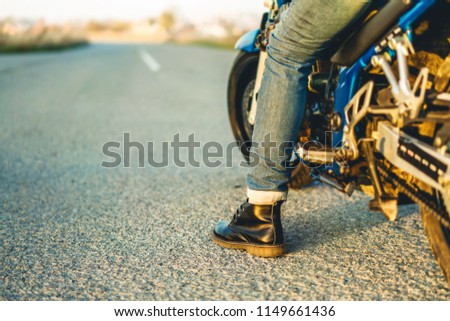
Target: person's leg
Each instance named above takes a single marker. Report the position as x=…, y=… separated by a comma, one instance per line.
x=305, y=30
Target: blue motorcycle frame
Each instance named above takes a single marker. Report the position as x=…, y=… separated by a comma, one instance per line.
x=349, y=77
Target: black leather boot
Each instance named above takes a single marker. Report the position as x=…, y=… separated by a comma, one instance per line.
x=254, y=228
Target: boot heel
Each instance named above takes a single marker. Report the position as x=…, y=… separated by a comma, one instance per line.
x=266, y=251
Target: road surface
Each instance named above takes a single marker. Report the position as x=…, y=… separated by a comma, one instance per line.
x=74, y=230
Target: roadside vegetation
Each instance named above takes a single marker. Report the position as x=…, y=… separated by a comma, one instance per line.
x=23, y=35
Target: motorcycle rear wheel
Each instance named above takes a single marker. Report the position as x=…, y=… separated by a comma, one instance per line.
x=241, y=86
x=438, y=237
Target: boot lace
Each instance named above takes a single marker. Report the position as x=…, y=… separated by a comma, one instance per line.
x=238, y=213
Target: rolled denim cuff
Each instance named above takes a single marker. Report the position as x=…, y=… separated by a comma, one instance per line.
x=265, y=197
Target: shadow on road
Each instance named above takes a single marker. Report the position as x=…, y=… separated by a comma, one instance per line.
x=334, y=218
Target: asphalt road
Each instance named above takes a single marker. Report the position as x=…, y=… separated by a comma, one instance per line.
x=74, y=230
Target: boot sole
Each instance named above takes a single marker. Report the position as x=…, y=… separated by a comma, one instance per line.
x=253, y=249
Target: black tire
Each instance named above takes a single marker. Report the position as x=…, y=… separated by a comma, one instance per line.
x=439, y=235
x=241, y=84
x=439, y=239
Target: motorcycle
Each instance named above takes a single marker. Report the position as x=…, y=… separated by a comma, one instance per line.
x=377, y=111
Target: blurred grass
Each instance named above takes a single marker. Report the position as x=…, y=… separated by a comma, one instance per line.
x=32, y=47
x=227, y=43
x=212, y=44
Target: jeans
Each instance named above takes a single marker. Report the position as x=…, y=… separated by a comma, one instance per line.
x=306, y=30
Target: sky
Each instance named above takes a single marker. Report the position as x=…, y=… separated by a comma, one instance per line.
x=61, y=10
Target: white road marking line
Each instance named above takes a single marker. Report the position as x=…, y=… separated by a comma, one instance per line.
x=151, y=63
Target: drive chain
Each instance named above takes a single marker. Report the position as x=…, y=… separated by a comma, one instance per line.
x=419, y=197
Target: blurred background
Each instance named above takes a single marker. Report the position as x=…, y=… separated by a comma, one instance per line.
x=52, y=24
